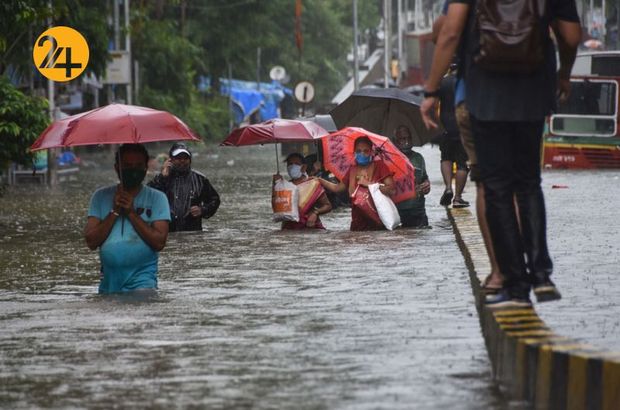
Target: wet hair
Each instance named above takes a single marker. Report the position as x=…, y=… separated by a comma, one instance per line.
x=139, y=148
x=295, y=155
x=362, y=139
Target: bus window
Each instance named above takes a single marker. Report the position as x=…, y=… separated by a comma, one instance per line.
x=590, y=110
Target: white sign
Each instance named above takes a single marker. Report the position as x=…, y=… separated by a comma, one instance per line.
x=118, y=71
x=277, y=73
x=304, y=92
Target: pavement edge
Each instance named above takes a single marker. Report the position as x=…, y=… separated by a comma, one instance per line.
x=529, y=361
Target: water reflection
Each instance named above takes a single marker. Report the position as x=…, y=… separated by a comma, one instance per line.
x=247, y=316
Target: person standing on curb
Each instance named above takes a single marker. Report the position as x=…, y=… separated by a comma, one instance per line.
x=507, y=106
x=451, y=147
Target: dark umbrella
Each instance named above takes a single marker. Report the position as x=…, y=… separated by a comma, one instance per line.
x=382, y=110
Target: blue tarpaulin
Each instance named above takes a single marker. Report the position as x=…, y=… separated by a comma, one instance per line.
x=249, y=97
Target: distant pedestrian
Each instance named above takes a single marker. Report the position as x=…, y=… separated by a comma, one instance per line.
x=507, y=110
x=452, y=151
x=190, y=194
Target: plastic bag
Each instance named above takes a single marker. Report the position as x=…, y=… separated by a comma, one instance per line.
x=285, y=201
x=385, y=207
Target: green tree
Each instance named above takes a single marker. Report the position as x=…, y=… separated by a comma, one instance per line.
x=22, y=119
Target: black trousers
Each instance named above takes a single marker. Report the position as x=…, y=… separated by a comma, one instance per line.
x=509, y=160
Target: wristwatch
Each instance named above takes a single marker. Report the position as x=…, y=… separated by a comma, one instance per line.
x=429, y=94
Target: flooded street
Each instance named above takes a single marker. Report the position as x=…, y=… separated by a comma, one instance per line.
x=248, y=316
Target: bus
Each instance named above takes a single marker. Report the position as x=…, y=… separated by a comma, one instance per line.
x=584, y=132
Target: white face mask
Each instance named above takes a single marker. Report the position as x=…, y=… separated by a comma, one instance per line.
x=294, y=171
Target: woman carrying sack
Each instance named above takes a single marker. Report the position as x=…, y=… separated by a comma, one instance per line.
x=312, y=200
x=366, y=171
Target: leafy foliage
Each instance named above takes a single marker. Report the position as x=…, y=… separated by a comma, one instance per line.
x=22, y=119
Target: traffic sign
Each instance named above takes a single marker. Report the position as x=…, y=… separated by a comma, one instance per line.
x=304, y=92
x=277, y=73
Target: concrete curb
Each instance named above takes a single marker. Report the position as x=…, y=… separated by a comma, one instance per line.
x=530, y=362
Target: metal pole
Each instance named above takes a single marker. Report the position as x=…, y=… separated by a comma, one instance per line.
x=258, y=68
x=117, y=34
x=356, y=84
x=399, y=14
x=386, y=42
x=128, y=48
x=231, y=119
x=52, y=175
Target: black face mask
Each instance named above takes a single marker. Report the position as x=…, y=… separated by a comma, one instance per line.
x=180, y=169
x=132, y=177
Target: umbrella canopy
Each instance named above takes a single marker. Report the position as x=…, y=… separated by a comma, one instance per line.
x=114, y=124
x=274, y=131
x=324, y=120
x=382, y=110
x=339, y=156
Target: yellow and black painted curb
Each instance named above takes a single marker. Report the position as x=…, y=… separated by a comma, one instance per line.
x=530, y=362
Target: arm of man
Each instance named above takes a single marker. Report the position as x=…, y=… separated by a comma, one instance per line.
x=154, y=235
x=210, y=200
x=568, y=36
x=97, y=230
x=447, y=42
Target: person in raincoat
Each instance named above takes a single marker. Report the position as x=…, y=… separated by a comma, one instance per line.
x=190, y=194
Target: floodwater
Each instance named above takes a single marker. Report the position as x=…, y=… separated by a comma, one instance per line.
x=248, y=316
x=584, y=241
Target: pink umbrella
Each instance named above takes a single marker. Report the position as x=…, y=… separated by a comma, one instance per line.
x=274, y=131
x=114, y=124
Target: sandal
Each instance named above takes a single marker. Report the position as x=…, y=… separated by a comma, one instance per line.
x=460, y=203
x=446, y=198
x=489, y=289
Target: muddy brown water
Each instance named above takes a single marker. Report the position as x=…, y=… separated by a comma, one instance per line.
x=247, y=316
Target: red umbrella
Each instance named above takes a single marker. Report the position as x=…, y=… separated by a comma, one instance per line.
x=274, y=131
x=114, y=124
x=339, y=156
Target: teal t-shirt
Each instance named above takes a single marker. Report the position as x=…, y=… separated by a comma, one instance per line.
x=127, y=262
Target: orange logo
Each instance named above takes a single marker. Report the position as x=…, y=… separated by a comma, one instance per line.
x=61, y=53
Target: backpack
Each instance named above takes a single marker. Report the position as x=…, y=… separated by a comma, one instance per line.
x=511, y=35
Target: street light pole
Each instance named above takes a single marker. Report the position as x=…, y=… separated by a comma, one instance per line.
x=128, y=48
x=386, y=42
x=52, y=173
x=356, y=84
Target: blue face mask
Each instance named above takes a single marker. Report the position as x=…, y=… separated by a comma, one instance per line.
x=294, y=171
x=362, y=159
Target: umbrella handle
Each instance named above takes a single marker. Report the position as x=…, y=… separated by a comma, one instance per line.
x=277, y=160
